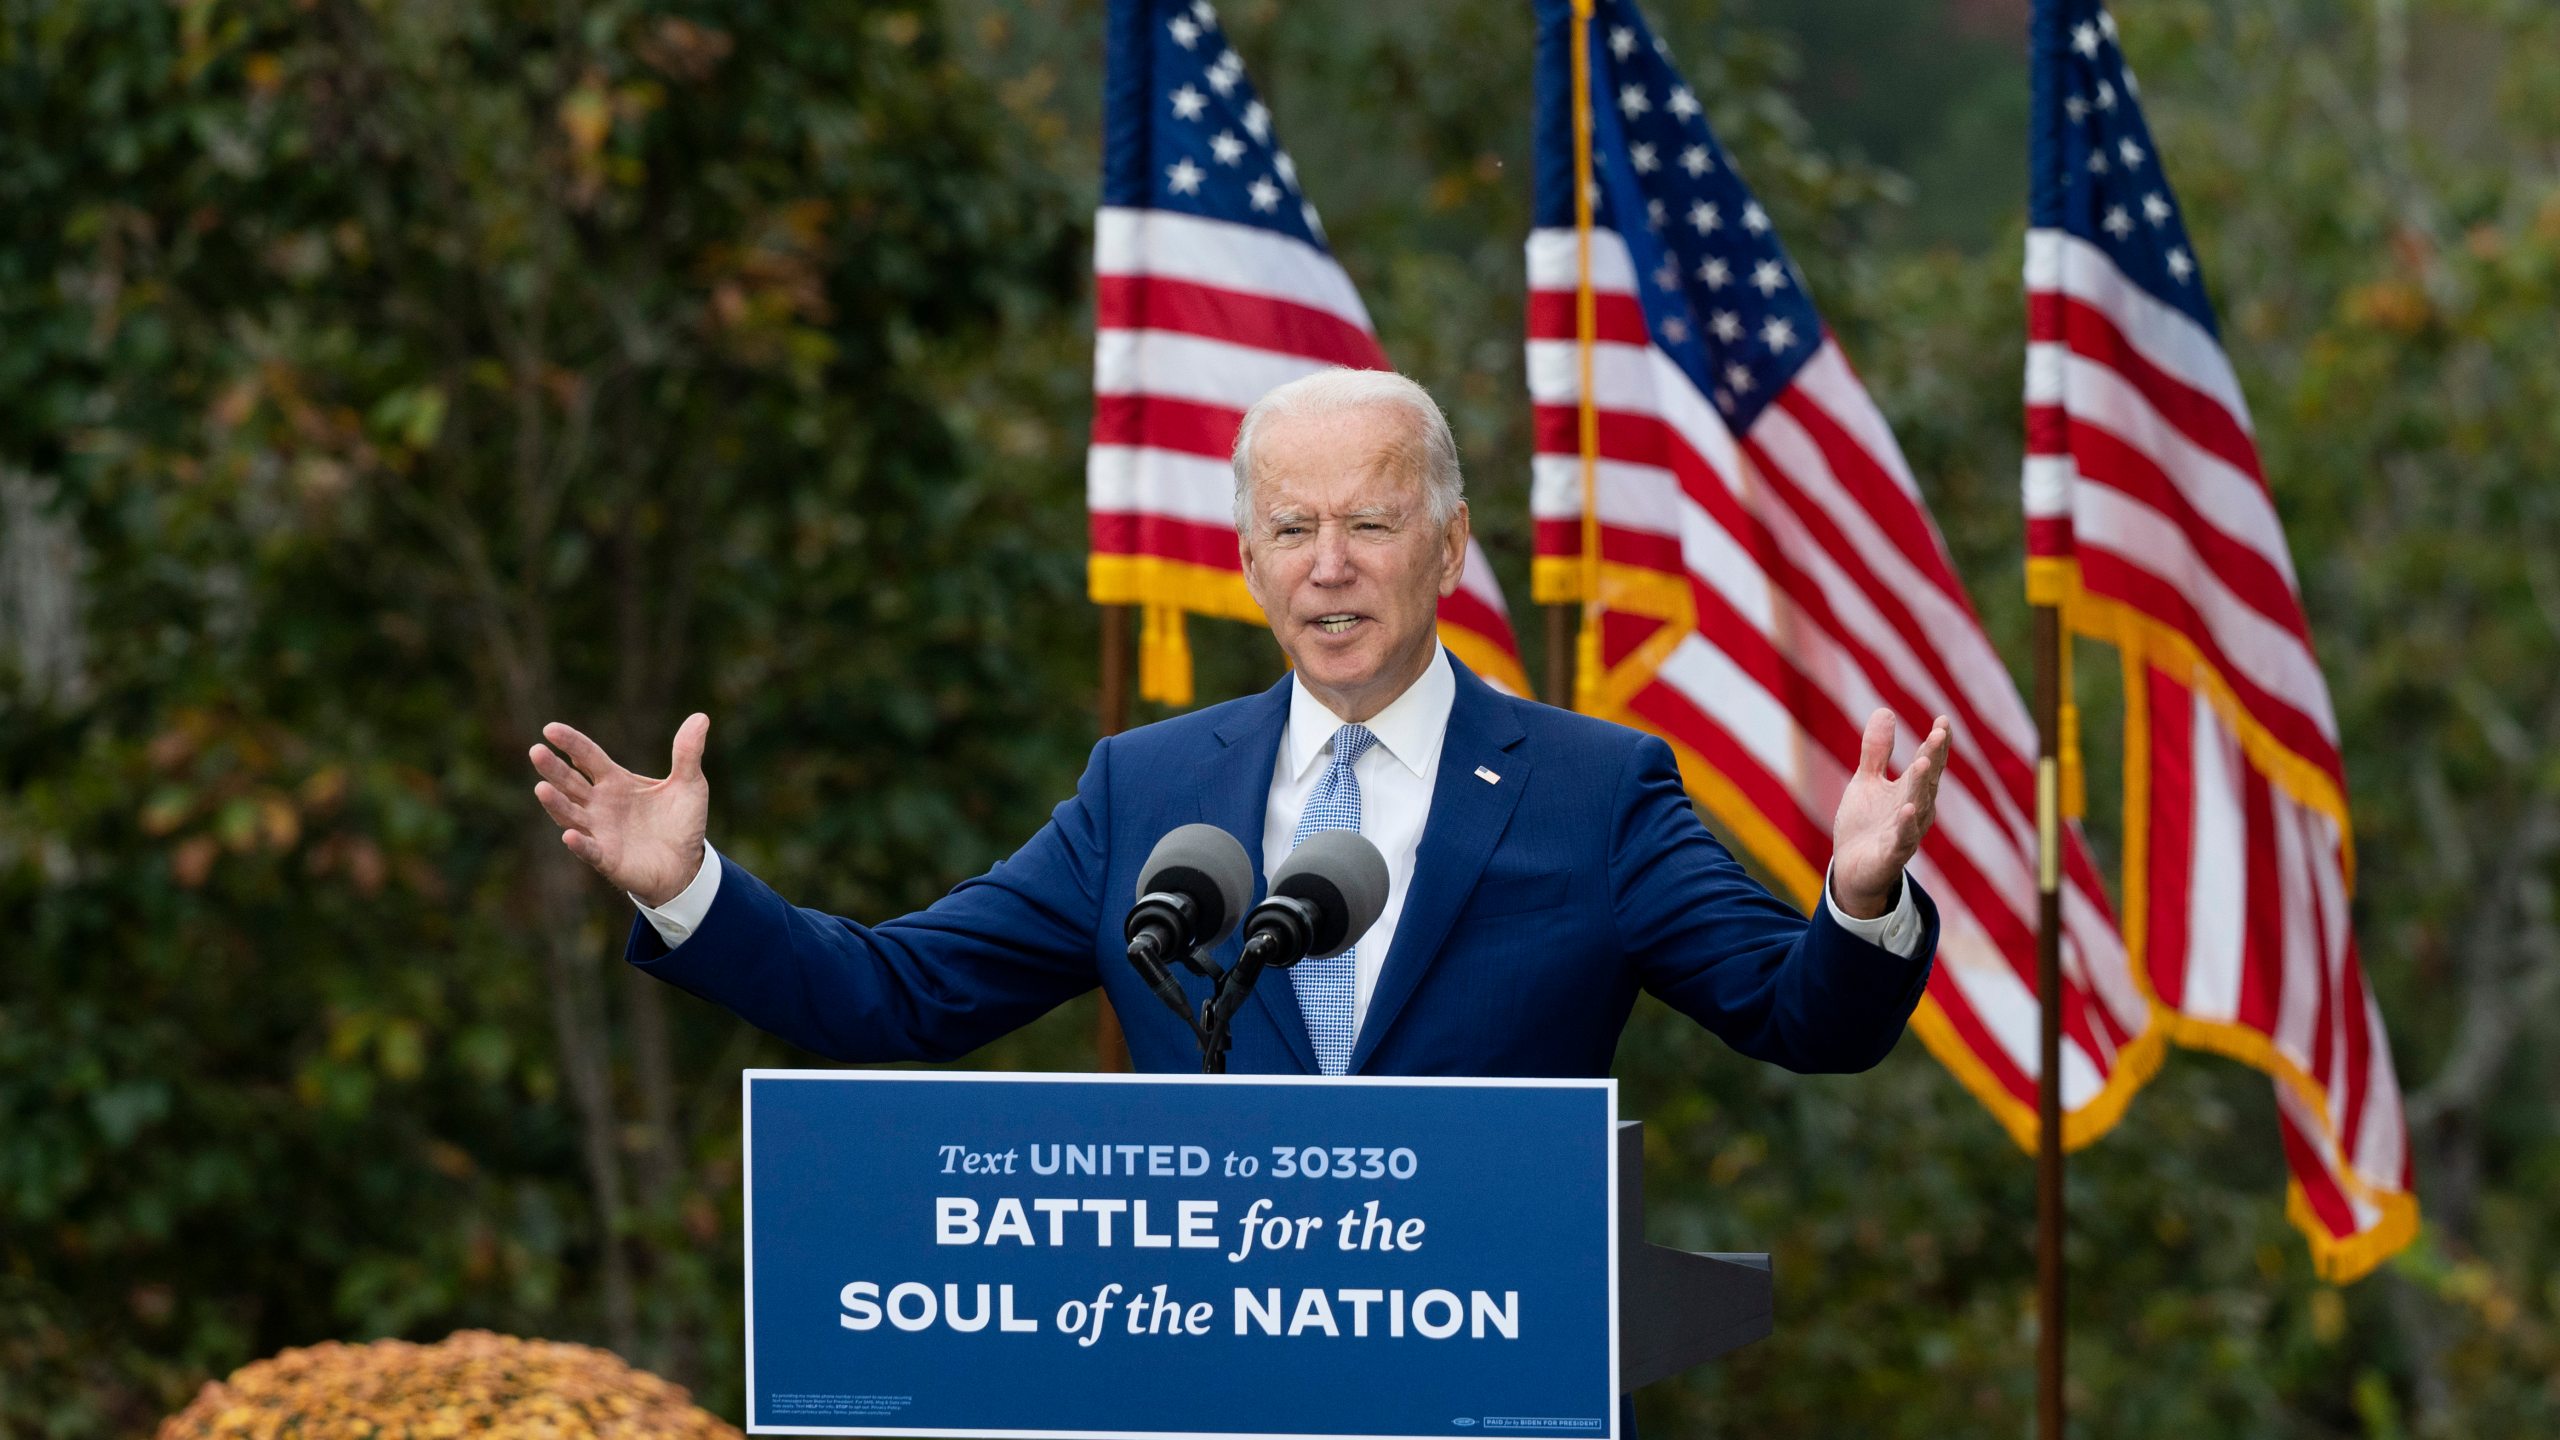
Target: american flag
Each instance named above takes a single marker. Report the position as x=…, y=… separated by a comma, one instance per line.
x=1212, y=286
x=1769, y=572
x=2150, y=524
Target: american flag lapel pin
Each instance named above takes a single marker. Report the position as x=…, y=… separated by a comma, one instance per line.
x=1487, y=776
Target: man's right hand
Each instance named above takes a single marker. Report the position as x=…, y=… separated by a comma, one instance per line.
x=643, y=835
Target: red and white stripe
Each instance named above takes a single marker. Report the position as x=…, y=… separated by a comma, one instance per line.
x=1195, y=319
x=1820, y=589
x=2142, y=464
x=2142, y=467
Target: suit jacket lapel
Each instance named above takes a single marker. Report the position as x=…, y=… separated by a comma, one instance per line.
x=1234, y=787
x=1467, y=818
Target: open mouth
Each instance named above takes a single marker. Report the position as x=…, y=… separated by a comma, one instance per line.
x=1336, y=624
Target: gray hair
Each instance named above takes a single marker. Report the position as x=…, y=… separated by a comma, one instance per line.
x=1432, y=452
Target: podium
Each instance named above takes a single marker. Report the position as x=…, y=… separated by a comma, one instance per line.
x=1678, y=1308
x=947, y=1253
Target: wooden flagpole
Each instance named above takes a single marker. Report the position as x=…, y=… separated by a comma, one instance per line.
x=2050, y=678
x=2052, y=659
x=1110, y=1047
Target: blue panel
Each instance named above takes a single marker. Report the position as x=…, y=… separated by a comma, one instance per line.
x=1719, y=294
x=2097, y=171
x=1183, y=128
x=1501, y=1189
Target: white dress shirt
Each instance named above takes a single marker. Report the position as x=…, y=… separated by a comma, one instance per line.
x=1396, y=776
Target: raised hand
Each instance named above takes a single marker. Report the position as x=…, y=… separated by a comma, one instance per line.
x=1881, y=819
x=643, y=835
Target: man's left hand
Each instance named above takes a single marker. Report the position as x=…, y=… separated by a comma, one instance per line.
x=1881, y=819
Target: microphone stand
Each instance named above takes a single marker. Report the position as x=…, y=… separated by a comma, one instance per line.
x=1167, y=989
x=1213, y=1042
x=1218, y=1012
x=1227, y=996
x=1228, y=987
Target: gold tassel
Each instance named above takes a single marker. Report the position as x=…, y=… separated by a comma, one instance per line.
x=1164, y=656
x=2075, y=780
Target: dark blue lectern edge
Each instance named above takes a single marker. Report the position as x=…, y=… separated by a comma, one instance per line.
x=1618, y=1274
x=1676, y=1308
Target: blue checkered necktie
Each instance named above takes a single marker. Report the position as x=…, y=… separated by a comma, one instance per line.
x=1327, y=988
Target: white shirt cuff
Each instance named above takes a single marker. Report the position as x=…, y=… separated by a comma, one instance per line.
x=1897, y=931
x=676, y=920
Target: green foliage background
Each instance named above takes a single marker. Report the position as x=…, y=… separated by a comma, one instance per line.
x=383, y=379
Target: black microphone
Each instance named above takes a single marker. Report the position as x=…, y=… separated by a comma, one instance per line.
x=1324, y=897
x=1191, y=892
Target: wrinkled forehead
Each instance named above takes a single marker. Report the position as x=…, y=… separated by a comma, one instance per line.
x=1364, y=459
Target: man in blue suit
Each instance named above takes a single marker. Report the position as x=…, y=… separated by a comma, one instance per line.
x=1543, y=866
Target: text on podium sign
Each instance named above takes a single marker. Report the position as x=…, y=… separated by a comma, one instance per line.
x=950, y=1253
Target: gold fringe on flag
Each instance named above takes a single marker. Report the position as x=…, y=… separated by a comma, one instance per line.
x=2141, y=642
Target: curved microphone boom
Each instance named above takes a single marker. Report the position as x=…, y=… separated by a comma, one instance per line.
x=1191, y=893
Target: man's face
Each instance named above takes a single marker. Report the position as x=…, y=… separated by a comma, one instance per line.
x=1340, y=552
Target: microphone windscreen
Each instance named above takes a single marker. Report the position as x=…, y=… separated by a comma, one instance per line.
x=1209, y=865
x=1344, y=877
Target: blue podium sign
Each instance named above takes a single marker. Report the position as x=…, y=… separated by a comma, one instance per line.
x=945, y=1253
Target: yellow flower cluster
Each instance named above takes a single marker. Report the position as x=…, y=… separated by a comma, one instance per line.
x=471, y=1384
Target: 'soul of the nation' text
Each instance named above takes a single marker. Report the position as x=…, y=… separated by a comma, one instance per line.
x=1352, y=1312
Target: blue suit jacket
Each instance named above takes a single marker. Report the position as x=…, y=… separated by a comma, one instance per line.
x=1540, y=904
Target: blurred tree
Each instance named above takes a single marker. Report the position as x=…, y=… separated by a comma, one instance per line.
x=397, y=378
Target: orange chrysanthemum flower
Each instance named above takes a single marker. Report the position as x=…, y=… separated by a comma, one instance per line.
x=471, y=1384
